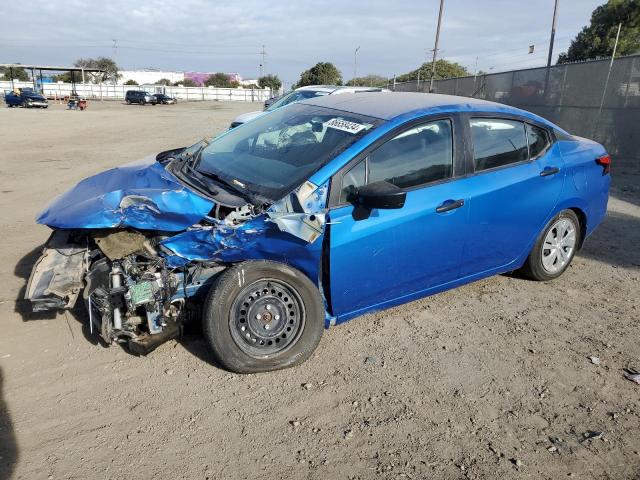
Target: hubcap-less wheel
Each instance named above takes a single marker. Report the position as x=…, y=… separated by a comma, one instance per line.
x=559, y=245
x=267, y=317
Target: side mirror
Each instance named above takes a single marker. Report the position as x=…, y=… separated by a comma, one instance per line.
x=382, y=195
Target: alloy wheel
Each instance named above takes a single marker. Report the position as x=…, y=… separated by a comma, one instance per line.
x=559, y=245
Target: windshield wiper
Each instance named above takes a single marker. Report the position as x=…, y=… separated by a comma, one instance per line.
x=218, y=179
x=197, y=178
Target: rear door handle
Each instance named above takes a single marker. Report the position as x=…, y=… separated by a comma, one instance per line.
x=549, y=171
x=450, y=205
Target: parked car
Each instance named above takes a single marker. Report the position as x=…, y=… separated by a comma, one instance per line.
x=269, y=101
x=165, y=99
x=315, y=214
x=141, y=97
x=25, y=97
x=299, y=94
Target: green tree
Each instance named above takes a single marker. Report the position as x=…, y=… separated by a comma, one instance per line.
x=187, y=82
x=107, y=65
x=368, y=81
x=220, y=80
x=270, y=81
x=63, y=77
x=322, y=73
x=131, y=82
x=19, y=73
x=444, y=69
x=164, y=81
x=597, y=39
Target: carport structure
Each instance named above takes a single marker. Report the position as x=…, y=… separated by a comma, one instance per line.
x=48, y=68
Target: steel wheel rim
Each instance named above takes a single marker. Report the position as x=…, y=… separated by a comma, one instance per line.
x=267, y=317
x=558, y=246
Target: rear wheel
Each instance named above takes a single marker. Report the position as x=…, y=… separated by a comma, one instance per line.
x=262, y=316
x=555, y=248
x=128, y=102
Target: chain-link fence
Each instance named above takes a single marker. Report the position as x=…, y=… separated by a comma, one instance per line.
x=575, y=96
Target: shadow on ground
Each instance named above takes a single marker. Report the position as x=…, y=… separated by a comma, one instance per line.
x=8, y=444
x=615, y=241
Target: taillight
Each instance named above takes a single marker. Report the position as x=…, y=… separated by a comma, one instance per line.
x=605, y=163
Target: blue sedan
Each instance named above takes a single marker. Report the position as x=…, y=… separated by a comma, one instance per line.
x=317, y=213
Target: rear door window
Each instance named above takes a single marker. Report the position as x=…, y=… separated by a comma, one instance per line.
x=539, y=141
x=498, y=142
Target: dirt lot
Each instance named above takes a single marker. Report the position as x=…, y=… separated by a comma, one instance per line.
x=492, y=380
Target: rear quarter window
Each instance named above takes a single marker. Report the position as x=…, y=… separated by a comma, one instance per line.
x=539, y=141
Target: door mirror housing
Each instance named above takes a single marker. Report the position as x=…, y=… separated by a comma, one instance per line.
x=383, y=195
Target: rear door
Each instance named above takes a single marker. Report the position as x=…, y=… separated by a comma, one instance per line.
x=517, y=180
x=379, y=256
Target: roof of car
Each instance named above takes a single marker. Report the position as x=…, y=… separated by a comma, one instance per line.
x=335, y=88
x=387, y=106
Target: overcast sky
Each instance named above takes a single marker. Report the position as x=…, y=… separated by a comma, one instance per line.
x=205, y=35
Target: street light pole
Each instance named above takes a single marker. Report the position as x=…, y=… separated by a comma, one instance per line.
x=355, y=62
x=435, y=48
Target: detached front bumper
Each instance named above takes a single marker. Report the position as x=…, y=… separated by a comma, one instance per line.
x=57, y=277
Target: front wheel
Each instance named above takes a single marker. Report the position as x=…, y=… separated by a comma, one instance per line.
x=555, y=248
x=262, y=316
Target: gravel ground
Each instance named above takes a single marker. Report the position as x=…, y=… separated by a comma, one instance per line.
x=491, y=380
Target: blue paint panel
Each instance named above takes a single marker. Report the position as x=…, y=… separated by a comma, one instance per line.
x=257, y=239
x=396, y=252
x=140, y=195
x=509, y=207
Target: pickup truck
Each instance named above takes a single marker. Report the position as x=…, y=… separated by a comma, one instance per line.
x=25, y=97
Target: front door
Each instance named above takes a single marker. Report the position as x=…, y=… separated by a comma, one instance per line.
x=379, y=256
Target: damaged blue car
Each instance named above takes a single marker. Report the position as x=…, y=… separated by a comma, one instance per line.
x=314, y=214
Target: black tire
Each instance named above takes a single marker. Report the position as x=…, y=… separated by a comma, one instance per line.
x=220, y=320
x=128, y=102
x=143, y=103
x=534, y=267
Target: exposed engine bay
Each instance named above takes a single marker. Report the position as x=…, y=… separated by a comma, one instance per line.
x=130, y=294
x=139, y=286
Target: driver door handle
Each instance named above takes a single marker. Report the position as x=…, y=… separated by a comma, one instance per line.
x=449, y=205
x=549, y=171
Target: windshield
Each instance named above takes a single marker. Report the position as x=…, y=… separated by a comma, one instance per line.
x=295, y=96
x=273, y=154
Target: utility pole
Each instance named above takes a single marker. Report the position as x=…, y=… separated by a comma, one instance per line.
x=435, y=48
x=553, y=33
x=355, y=62
x=606, y=82
x=262, y=65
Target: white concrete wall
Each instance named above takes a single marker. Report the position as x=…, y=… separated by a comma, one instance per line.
x=117, y=92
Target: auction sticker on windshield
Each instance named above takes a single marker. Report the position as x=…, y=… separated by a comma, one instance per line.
x=346, y=126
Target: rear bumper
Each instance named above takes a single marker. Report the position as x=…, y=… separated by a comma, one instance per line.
x=37, y=104
x=58, y=276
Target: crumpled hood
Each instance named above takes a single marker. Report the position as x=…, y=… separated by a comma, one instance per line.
x=141, y=195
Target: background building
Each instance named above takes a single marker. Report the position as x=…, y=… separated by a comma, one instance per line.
x=200, y=77
x=149, y=76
